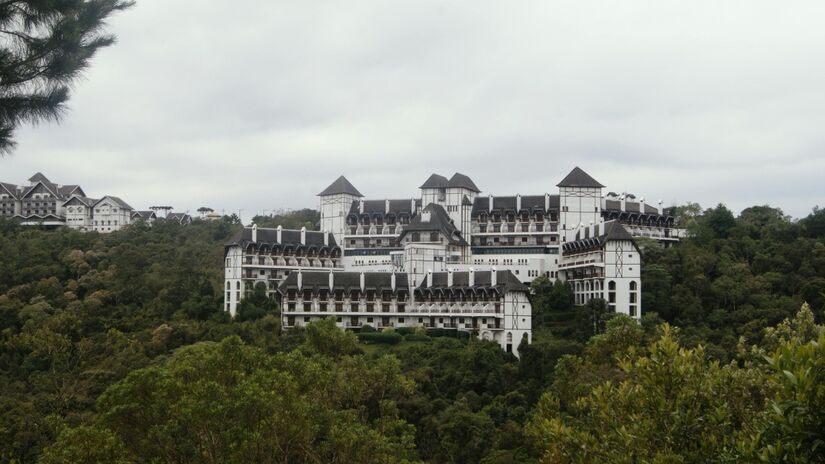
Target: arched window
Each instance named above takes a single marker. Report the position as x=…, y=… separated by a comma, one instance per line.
x=509, y=337
x=238, y=286
x=612, y=285
x=632, y=285
x=229, y=286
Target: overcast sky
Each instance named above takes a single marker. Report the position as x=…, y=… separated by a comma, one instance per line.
x=260, y=104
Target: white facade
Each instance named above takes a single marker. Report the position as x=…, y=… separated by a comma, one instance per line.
x=46, y=204
x=492, y=304
x=110, y=214
x=577, y=235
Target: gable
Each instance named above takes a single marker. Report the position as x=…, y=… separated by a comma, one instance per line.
x=37, y=188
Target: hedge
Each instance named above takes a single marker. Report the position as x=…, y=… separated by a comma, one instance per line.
x=388, y=338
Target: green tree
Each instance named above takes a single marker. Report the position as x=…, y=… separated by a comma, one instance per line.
x=45, y=47
x=229, y=403
x=793, y=428
x=674, y=406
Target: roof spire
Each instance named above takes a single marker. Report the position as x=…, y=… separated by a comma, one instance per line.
x=341, y=185
x=579, y=178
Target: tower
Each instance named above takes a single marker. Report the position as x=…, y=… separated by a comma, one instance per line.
x=580, y=202
x=336, y=201
x=461, y=192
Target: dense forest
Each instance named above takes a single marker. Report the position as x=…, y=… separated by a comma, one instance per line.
x=114, y=348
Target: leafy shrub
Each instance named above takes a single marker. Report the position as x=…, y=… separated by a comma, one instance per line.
x=388, y=338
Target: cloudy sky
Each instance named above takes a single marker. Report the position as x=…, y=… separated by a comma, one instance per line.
x=259, y=104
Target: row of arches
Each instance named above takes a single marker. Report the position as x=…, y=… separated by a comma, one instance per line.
x=275, y=249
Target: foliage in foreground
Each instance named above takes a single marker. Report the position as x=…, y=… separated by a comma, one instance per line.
x=666, y=403
x=228, y=402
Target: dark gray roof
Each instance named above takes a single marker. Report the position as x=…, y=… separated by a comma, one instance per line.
x=341, y=185
x=502, y=204
x=461, y=181
x=466, y=201
x=288, y=237
x=633, y=207
x=82, y=200
x=603, y=233
x=48, y=185
x=11, y=188
x=435, y=181
x=67, y=190
x=380, y=207
x=579, y=178
x=117, y=200
x=39, y=177
x=346, y=281
x=143, y=214
x=180, y=217
x=505, y=280
x=439, y=221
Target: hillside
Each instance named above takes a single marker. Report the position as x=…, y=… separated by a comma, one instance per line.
x=114, y=348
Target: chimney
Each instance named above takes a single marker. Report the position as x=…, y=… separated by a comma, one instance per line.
x=592, y=230
x=622, y=200
x=392, y=281
x=493, y=277
x=661, y=211
x=490, y=204
x=361, y=206
x=331, y=281
x=300, y=280
x=546, y=202
x=303, y=235
x=472, y=276
x=386, y=206
x=429, y=279
x=518, y=202
x=449, y=277
x=642, y=205
x=326, y=238
x=363, y=282
x=278, y=234
x=254, y=232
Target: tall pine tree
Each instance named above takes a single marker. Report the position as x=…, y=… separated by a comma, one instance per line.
x=44, y=45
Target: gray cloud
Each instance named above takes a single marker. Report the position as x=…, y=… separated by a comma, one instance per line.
x=258, y=105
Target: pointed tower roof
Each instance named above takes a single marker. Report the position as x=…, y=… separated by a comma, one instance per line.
x=435, y=181
x=39, y=177
x=461, y=181
x=579, y=178
x=341, y=185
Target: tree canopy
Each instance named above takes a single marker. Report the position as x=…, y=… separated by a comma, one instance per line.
x=115, y=348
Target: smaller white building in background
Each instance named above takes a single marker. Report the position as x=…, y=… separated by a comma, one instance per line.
x=146, y=216
x=111, y=214
x=45, y=204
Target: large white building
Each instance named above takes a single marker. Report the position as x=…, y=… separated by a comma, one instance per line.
x=579, y=235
